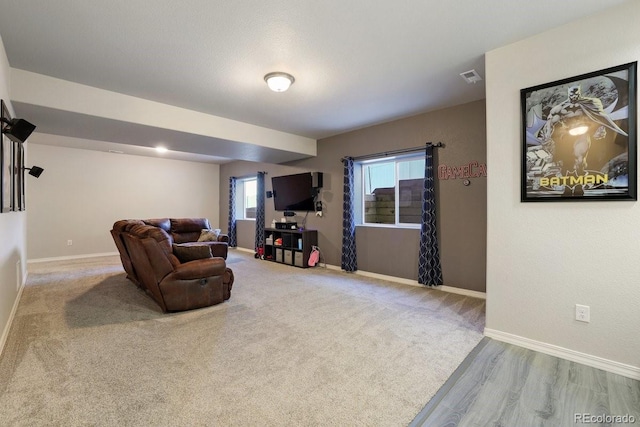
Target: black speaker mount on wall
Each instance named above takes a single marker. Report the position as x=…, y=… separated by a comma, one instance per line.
x=35, y=171
x=17, y=130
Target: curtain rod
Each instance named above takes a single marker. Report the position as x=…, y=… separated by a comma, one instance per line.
x=248, y=176
x=394, y=152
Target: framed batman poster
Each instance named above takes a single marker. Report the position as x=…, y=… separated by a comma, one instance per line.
x=579, y=138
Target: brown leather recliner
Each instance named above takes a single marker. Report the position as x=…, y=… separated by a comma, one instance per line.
x=186, y=231
x=147, y=256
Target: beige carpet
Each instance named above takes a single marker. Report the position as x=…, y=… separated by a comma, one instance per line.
x=292, y=347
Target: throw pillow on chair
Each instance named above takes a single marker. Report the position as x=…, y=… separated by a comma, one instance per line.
x=207, y=235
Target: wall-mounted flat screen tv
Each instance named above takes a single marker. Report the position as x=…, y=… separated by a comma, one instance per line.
x=293, y=192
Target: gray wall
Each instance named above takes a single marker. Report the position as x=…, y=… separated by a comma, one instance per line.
x=82, y=193
x=462, y=211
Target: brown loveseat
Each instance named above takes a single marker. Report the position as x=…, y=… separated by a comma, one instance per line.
x=186, y=231
x=147, y=253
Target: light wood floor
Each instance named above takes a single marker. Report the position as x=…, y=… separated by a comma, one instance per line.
x=504, y=385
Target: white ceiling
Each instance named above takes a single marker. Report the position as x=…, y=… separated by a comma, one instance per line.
x=356, y=62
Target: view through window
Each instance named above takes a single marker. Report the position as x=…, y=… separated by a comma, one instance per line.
x=246, y=201
x=392, y=190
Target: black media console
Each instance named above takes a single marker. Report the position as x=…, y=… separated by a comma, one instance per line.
x=291, y=247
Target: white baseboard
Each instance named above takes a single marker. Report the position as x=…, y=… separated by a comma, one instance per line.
x=14, y=309
x=252, y=251
x=66, y=258
x=460, y=291
x=410, y=282
x=565, y=353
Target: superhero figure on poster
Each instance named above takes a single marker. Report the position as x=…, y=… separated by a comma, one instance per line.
x=569, y=130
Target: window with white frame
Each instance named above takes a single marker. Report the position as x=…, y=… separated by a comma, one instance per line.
x=392, y=191
x=246, y=192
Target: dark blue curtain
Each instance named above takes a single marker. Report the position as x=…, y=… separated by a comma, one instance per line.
x=349, y=258
x=233, y=242
x=260, y=209
x=429, y=269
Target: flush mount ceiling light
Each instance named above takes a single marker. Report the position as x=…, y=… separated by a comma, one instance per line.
x=278, y=81
x=161, y=149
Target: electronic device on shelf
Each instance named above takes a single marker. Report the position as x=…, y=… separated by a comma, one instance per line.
x=286, y=225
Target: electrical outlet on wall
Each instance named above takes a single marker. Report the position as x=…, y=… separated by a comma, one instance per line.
x=583, y=313
x=69, y=242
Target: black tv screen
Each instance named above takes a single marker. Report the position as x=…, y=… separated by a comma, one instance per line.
x=293, y=192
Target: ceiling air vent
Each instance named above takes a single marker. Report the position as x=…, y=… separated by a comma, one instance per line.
x=471, y=76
